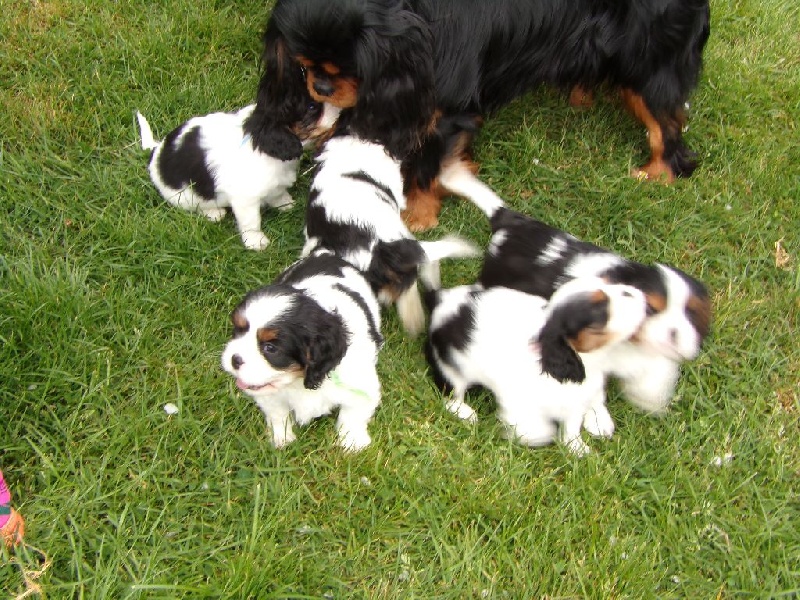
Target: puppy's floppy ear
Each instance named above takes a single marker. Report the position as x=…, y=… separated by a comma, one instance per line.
x=325, y=346
x=396, y=89
x=280, y=143
x=559, y=359
x=281, y=101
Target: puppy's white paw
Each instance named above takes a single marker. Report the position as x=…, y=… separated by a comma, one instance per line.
x=283, y=437
x=284, y=203
x=215, y=215
x=354, y=441
x=462, y=410
x=598, y=422
x=255, y=240
x=578, y=447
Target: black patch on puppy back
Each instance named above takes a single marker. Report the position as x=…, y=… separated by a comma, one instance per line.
x=513, y=262
x=322, y=264
x=384, y=192
x=182, y=163
x=339, y=238
x=453, y=334
x=374, y=328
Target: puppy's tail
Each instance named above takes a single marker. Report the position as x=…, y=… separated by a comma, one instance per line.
x=458, y=179
x=450, y=246
x=148, y=140
x=429, y=272
x=431, y=280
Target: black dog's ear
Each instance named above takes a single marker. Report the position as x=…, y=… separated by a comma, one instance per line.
x=559, y=359
x=396, y=89
x=325, y=346
x=281, y=102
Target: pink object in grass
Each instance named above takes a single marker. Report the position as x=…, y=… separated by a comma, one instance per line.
x=5, y=502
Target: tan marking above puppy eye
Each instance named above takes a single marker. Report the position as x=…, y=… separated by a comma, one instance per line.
x=239, y=321
x=699, y=311
x=304, y=61
x=265, y=334
x=656, y=302
x=598, y=296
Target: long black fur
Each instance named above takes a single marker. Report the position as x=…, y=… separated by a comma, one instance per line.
x=425, y=61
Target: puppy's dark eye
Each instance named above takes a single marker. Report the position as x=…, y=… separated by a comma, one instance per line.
x=650, y=310
x=268, y=348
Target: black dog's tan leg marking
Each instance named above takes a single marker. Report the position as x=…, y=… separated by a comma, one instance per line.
x=656, y=169
x=580, y=97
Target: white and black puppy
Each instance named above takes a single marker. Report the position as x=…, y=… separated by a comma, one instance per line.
x=209, y=163
x=354, y=211
x=533, y=257
x=307, y=345
x=545, y=361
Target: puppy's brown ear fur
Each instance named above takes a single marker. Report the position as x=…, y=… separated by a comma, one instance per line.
x=576, y=326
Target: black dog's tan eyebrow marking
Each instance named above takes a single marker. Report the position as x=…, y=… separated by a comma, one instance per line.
x=385, y=193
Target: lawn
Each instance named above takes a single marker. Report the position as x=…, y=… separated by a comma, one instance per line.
x=113, y=304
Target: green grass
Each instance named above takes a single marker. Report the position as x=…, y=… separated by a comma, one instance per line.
x=113, y=304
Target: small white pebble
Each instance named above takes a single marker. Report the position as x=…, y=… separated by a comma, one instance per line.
x=675, y=579
x=536, y=161
x=365, y=481
x=718, y=461
x=171, y=409
x=728, y=207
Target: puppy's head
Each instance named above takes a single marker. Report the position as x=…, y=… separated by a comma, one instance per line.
x=585, y=315
x=678, y=309
x=678, y=319
x=317, y=122
x=371, y=57
x=281, y=335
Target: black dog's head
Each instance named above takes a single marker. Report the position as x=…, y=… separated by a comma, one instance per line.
x=372, y=58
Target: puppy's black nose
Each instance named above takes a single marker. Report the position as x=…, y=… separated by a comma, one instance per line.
x=236, y=361
x=323, y=87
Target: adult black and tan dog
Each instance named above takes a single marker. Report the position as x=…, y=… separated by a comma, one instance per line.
x=419, y=75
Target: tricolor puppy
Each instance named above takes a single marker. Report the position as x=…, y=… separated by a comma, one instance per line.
x=544, y=361
x=354, y=211
x=530, y=256
x=307, y=345
x=209, y=163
